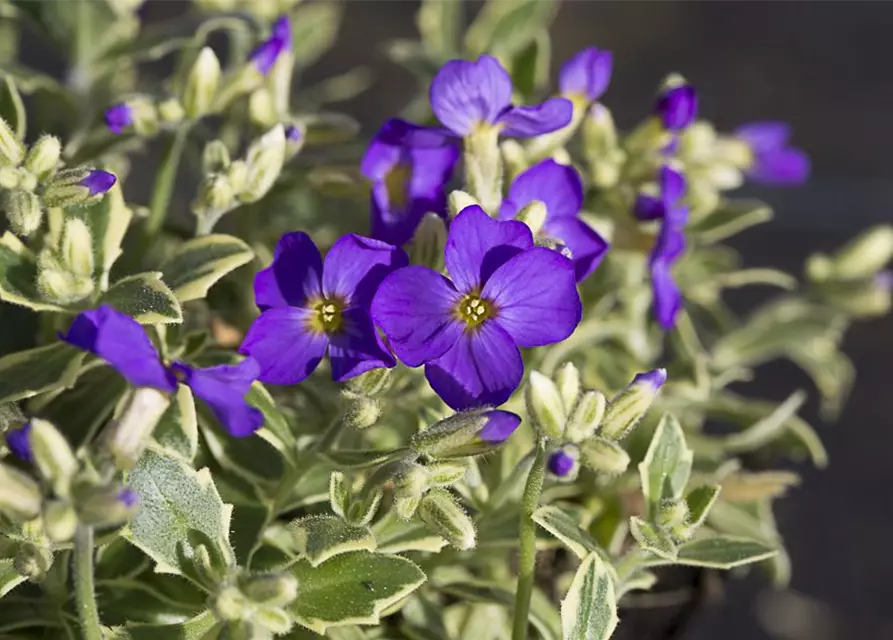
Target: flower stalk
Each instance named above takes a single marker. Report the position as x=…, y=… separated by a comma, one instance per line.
x=88, y=612
x=527, y=537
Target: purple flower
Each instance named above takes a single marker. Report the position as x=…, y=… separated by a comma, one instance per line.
x=122, y=342
x=293, y=134
x=500, y=425
x=504, y=293
x=677, y=106
x=310, y=306
x=558, y=187
x=407, y=182
x=18, y=443
x=129, y=498
x=773, y=161
x=665, y=206
x=99, y=181
x=587, y=74
x=118, y=117
x=654, y=379
x=264, y=57
x=561, y=463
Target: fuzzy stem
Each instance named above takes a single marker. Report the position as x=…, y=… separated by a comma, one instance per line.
x=164, y=183
x=527, y=536
x=88, y=614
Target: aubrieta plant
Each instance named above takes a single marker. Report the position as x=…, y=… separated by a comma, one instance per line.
x=260, y=382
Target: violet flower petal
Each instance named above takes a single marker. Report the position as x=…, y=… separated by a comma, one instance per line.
x=467, y=93
x=536, y=120
x=500, y=425
x=677, y=107
x=561, y=463
x=19, y=444
x=118, y=117
x=357, y=348
x=223, y=389
x=99, y=181
x=355, y=266
x=586, y=245
x=588, y=74
x=557, y=186
x=786, y=166
x=284, y=345
x=295, y=275
x=764, y=136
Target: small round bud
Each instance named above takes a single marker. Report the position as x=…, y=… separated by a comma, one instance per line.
x=544, y=405
x=215, y=195
x=44, y=156
x=568, y=382
x=109, y=506
x=271, y=589
x=20, y=496
x=264, y=159
x=202, y=84
x=603, y=455
x=864, y=256
x=563, y=462
x=23, y=211
x=33, y=562
x=586, y=416
x=369, y=384
x=230, y=603
x=53, y=456
x=59, y=520
x=443, y=515
x=215, y=157
x=76, y=248
x=362, y=413
x=171, y=112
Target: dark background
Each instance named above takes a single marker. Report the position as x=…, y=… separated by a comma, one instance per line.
x=825, y=68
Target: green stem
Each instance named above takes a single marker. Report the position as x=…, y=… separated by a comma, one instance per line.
x=164, y=182
x=88, y=614
x=527, y=536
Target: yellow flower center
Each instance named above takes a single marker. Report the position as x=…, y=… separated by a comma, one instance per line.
x=474, y=310
x=327, y=315
x=397, y=184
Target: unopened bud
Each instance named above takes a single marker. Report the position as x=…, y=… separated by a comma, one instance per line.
x=53, y=456
x=261, y=108
x=627, y=407
x=215, y=157
x=77, y=186
x=672, y=512
x=33, y=561
x=76, y=247
x=171, y=111
x=864, y=256
x=362, y=413
x=129, y=433
x=339, y=493
x=603, y=455
x=428, y=242
x=446, y=473
x=237, y=174
x=677, y=103
x=568, y=382
x=108, y=506
x=215, y=195
x=12, y=151
x=23, y=211
x=59, y=285
x=19, y=495
x=59, y=520
x=44, y=156
x=230, y=603
x=544, y=405
x=599, y=132
x=264, y=159
x=9, y=177
x=586, y=416
x=412, y=482
x=17, y=440
x=466, y=433
x=295, y=137
x=202, y=84
x=459, y=200
x=271, y=589
x=563, y=462
x=370, y=384
x=533, y=215
x=443, y=515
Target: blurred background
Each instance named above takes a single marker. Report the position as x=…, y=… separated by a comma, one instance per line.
x=823, y=67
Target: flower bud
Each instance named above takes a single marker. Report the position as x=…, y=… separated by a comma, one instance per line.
x=270, y=622
x=271, y=589
x=362, y=413
x=586, y=416
x=53, y=456
x=446, y=473
x=33, y=561
x=339, y=493
x=44, y=156
x=17, y=440
x=603, y=455
x=9, y=177
x=230, y=603
x=108, y=506
x=677, y=103
x=466, y=433
x=265, y=158
x=369, y=384
x=411, y=482
x=59, y=520
x=627, y=407
x=544, y=405
x=215, y=195
x=599, y=132
x=77, y=186
x=19, y=495
x=563, y=462
x=865, y=255
x=261, y=108
x=443, y=515
x=12, y=151
x=672, y=512
x=568, y=382
x=202, y=84
x=459, y=200
x=171, y=111
x=128, y=435
x=483, y=167
x=533, y=215
x=237, y=174
x=76, y=248
x=23, y=211
x=59, y=285
x=119, y=117
x=215, y=157
x=428, y=242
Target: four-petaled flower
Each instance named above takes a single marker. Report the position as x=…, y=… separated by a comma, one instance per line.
x=558, y=187
x=772, y=160
x=310, y=306
x=264, y=57
x=670, y=242
x=504, y=293
x=585, y=77
x=407, y=182
x=121, y=342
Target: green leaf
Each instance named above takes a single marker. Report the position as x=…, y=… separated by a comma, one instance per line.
x=198, y=264
x=395, y=535
x=351, y=588
x=28, y=373
x=9, y=577
x=193, y=629
x=107, y=220
x=768, y=428
x=176, y=434
x=319, y=538
x=638, y=580
x=732, y=217
x=542, y=613
x=18, y=276
x=652, y=539
x=589, y=610
x=667, y=465
x=566, y=529
x=314, y=27
x=145, y=298
x=505, y=27
x=440, y=23
x=12, y=109
x=530, y=67
x=363, y=458
x=720, y=552
x=176, y=500
x=699, y=501
x=259, y=398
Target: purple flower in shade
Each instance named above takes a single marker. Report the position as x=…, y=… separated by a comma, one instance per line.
x=99, y=181
x=407, y=182
x=772, y=160
x=561, y=463
x=293, y=134
x=121, y=342
x=18, y=443
x=310, y=306
x=129, y=498
x=504, y=293
x=500, y=425
x=558, y=187
x=669, y=245
x=677, y=106
x=119, y=117
x=264, y=57
x=586, y=75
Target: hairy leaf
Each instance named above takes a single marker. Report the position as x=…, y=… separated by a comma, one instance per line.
x=18, y=276
x=589, y=610
x=198, y=264
x=145, y=298
x=177, y=432
x=319, y=538
x=27, y=373
x=667, y=465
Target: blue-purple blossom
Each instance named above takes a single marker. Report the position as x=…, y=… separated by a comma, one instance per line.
x=293, y=134
x=129, y=498
x=561, y=463
x=669, y=245
x=677, y=106
x=500, y=425
x=119, y=117
x=772, y=160
x=560, y=188
x=654, y=379
x=310, y=307
x=407, y=182
x=122, y=342
x=503, y=293
x=19, y=444
x=99, y=181
x=264, y=57
x=586, y=76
